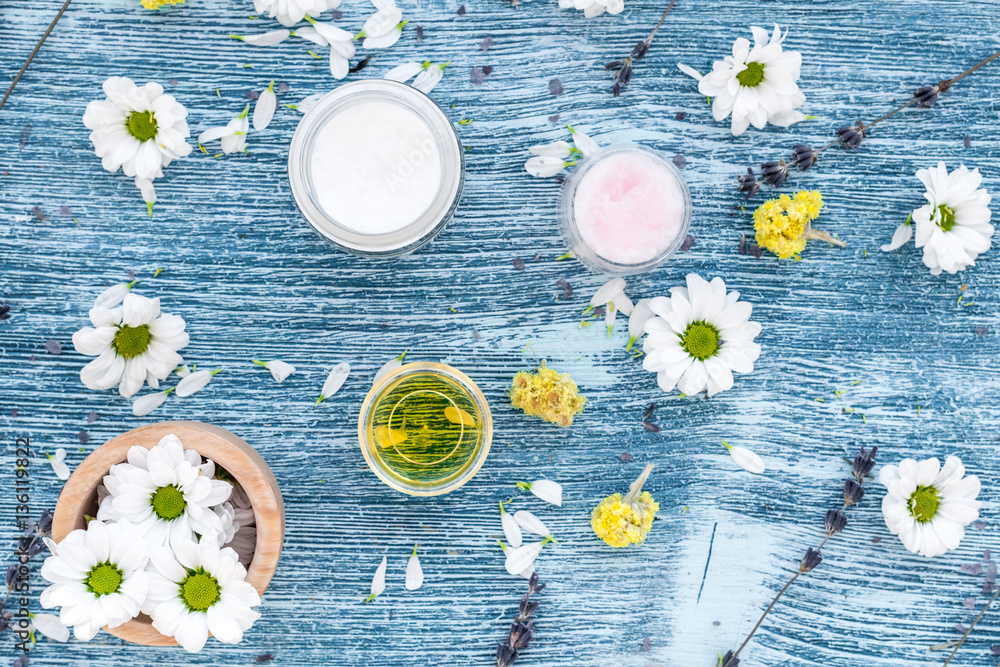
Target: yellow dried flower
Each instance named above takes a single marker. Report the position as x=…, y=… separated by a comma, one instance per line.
x=156, y=4
x=548, y=395
x=784, y=227
x=623, y=521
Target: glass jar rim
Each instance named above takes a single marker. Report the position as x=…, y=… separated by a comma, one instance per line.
x=438, y=213
x=567, y=220
x=486, y=428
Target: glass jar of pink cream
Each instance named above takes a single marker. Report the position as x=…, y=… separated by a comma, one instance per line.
x=625, y=209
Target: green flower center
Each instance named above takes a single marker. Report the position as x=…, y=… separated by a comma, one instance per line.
x=130, y=342
x=104, y=579
x=700, y=340
x=923, y=503
x=199, y=590
x=946, y=218
x=141, y=125
x=752, y=75
x=168, y=502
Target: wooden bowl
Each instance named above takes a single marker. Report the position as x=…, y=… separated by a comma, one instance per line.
x=79, y=498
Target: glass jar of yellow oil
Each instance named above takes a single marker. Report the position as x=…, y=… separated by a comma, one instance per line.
x=425, y=429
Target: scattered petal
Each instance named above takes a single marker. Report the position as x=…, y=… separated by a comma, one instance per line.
x=265, y=39
x=745, y=458
x=476, y=76
x=691, y=72
x=531, y=523
x=194, y=382
x=143, y=405
x=404, y=72
x=486, y=43
x=518, y=264
x=429, y=78
x=900, y=237
x=414, y=573
x=57, y=461
x=688, y=243
x=523, y=557
x=547, y=490
x=378, y=582
x=334, y=381
x=583, y=142
x=263, y=110
x=511, y=529
x=51, y=627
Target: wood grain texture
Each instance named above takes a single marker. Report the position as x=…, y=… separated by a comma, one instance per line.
x=252, y=280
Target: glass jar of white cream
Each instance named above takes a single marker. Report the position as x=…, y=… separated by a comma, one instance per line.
x=377, y=168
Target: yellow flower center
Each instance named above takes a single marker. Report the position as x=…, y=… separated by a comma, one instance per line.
x=168, y=502
x=130, y=342
x=199, y=590
x=752, y=75
x=700, y=340
x=104, y=579
x=141, y=125
x=946, y=218
x=923, y=503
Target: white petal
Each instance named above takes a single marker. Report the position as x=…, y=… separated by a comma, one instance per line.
x=559, y=149
x=263, y=110
x=213, y=133
x=51, y=627
x=112, y=296
x=308, y=103
x=622, y=303
x=531, y=523
x=511, y=531
x=280, y=370
x=378, y=582
x=414, y=573
x=584, y=143
x=746, y=459
x=193, y=383
x=690, y=71
x=547, y=490
x=334, y=381
x=146, y=189
x=404, y=72
x=265, y=39
x=543, y=166
x=381, y=22
x=60, y=468
x=143, y=405
x=383, y=41
x=521, y=558
x=607, y=292
x=429, y=78
x=387, y=368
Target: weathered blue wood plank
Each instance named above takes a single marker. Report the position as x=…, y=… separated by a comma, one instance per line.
x=252, y=280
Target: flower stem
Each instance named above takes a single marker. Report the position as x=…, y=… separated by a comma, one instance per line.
x=967, y=632
x=947, y=83
x=24, y=68
x=636, y=487
x=762, y=617
x=663, y=17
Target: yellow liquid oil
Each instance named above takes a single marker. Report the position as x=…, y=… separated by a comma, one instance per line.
x=425, y=428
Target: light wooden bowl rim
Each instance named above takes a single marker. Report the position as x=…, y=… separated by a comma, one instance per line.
x=228, y=451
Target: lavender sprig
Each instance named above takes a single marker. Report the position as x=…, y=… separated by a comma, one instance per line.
x=29, y=545
x=850, y=136
x=990, y=581
x=522, y=629
x=623, y=68
x=834, y=522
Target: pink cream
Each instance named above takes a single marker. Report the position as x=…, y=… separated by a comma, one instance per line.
x=629, y=208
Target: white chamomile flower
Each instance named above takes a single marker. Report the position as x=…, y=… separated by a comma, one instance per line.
x=430, y=77
x=143, y=405
x=378, y=581
x=341, y=45
x=263, y=108
x=511, y=531
x=334, y=381
x=745, y=458
x=547, y=490
x=532, y=524
x=954, y=226
x=51, y=627
x=58, y=461
x=196, y=589
x=290, y=12
x=113, y=295
x=138, y=129
x=133, y=343
x=98, y=577
x=757, y=85
x=928, y=505
x=279, y=369
x=166, y=494
x=700, y=337
x=592, y=8
x=230, y=526
x=265, y=39
x=233, y=134
x=195, y=382
x=414, y=572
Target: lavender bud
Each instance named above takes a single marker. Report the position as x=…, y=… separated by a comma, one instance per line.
x=835, y=522
x=863, y=464
x=625, y=73
x=533, y=585
x=812, y=558
x=729, y=660
x=520, y=635
x=505, y=656
x=926, y=95
x=11, y=577
x=853, y=492
x=44, y=523
x=774, y=173
x=804, y=156
x=527, y=610
x=747, y=183
x=36, y=547
x=640, y=49
x=616, y=89
x=851, y=135
x=614, y=64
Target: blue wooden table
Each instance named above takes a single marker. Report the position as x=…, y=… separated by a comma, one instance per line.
x=889, y=348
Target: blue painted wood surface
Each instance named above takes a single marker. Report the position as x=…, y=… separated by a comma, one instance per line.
x=252, y=280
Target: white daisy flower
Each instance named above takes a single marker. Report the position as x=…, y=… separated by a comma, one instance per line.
x=265, y=39
x=927, y=505
x=198, y=588
x=279, y=369
x=140, y=130
x=378, y=581
x=334, y=381
x=263, y=108
x=756, y=85
x=195, y=382
x=954, y=226
x=133, y=343
x=290, y=12
x=547, y=490
x=414, y=572
x=58, y=461
x=98, y=577
x=233, y=134
x=511, y=531
x=745, y=458
x=166, y=494
x=113, y=295
x=700, y=337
